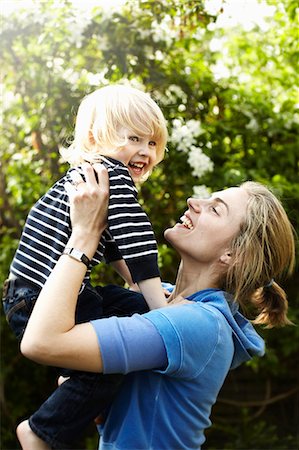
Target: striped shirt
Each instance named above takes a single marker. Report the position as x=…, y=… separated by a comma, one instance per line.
x=48, y=227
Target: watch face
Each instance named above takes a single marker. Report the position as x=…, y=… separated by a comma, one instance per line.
x=76, y=253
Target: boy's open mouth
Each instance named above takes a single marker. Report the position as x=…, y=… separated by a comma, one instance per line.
x=136, y=167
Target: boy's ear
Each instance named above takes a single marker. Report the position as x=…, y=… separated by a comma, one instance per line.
x=226, y=258
x=91, y=138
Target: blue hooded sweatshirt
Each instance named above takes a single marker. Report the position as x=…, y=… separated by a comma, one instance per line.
x=169, y=409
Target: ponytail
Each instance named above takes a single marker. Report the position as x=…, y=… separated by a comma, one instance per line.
x=272, y=306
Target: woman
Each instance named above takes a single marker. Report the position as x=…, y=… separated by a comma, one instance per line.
x=232, y=247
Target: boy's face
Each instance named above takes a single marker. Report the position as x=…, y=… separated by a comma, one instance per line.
x=139, y=154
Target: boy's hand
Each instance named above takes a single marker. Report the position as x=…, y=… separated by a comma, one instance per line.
x=166, y=293
x=134, y=287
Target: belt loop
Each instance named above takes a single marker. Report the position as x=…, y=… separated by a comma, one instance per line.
x=8, y=288
x=5, y=289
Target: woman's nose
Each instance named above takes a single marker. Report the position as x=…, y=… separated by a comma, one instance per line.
x=194, y=203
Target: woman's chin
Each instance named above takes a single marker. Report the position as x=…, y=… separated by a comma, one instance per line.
x=170, y=233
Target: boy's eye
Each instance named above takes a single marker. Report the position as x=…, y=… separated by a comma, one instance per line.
x=153, y=143
x=134, y=138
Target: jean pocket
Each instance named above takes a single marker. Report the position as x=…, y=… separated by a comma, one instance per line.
x=18, y=310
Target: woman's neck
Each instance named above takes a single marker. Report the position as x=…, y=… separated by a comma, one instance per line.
x=193, y=279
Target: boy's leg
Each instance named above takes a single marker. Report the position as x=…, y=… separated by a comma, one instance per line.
x=120, y=302
x=28, y=439
x=64, y=416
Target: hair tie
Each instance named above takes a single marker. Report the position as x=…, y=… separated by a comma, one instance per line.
x=270, y=284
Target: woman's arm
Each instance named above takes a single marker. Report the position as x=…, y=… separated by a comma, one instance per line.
x=51, y=336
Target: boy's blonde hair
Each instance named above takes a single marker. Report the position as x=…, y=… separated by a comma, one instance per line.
x=101, y=116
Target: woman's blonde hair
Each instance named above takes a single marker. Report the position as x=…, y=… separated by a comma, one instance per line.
x=101, y=116
x=263, y=251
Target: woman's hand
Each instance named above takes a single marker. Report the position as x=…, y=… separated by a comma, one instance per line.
x=88, y=206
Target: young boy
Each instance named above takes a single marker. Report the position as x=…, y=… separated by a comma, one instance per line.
x=124, y=129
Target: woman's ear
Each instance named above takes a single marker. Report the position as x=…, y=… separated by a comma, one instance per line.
x=226, y=258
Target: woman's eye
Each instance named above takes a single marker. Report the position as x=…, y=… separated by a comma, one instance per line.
x=215, y=210
x=134, y=138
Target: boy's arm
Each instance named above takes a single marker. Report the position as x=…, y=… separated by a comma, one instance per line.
x=153, y=293
x=122, y=269
x=151, y=289
x=133, y=234
x=130, y=227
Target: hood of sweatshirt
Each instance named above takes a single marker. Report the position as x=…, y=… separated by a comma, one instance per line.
x=247, y=341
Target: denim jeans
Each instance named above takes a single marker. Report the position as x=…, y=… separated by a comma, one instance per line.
x=19, y=297
x=63, y=417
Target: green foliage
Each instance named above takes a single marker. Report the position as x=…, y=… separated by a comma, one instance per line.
x=246, y=122
x=260, y=435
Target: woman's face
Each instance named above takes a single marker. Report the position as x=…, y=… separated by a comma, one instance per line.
x=209, y=225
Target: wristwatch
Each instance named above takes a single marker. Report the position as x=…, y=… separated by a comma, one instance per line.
x=77, y=254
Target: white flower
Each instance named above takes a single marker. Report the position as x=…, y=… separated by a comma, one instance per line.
x=216, y=44
x=96, y=79
x=220, y=70
x=201, y=191
x=253, y=125
x=183, y=136
x=164, y=31
x=71, y=76
x=199, y=162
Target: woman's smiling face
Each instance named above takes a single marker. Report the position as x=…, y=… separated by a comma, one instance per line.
x=209, y=225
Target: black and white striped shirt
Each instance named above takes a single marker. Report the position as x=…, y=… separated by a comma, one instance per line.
x=47, y=229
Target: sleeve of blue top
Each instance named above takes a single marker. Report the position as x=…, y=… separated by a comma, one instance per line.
x=129, y=344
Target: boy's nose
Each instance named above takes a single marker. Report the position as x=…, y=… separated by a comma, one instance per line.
x=144, y=149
